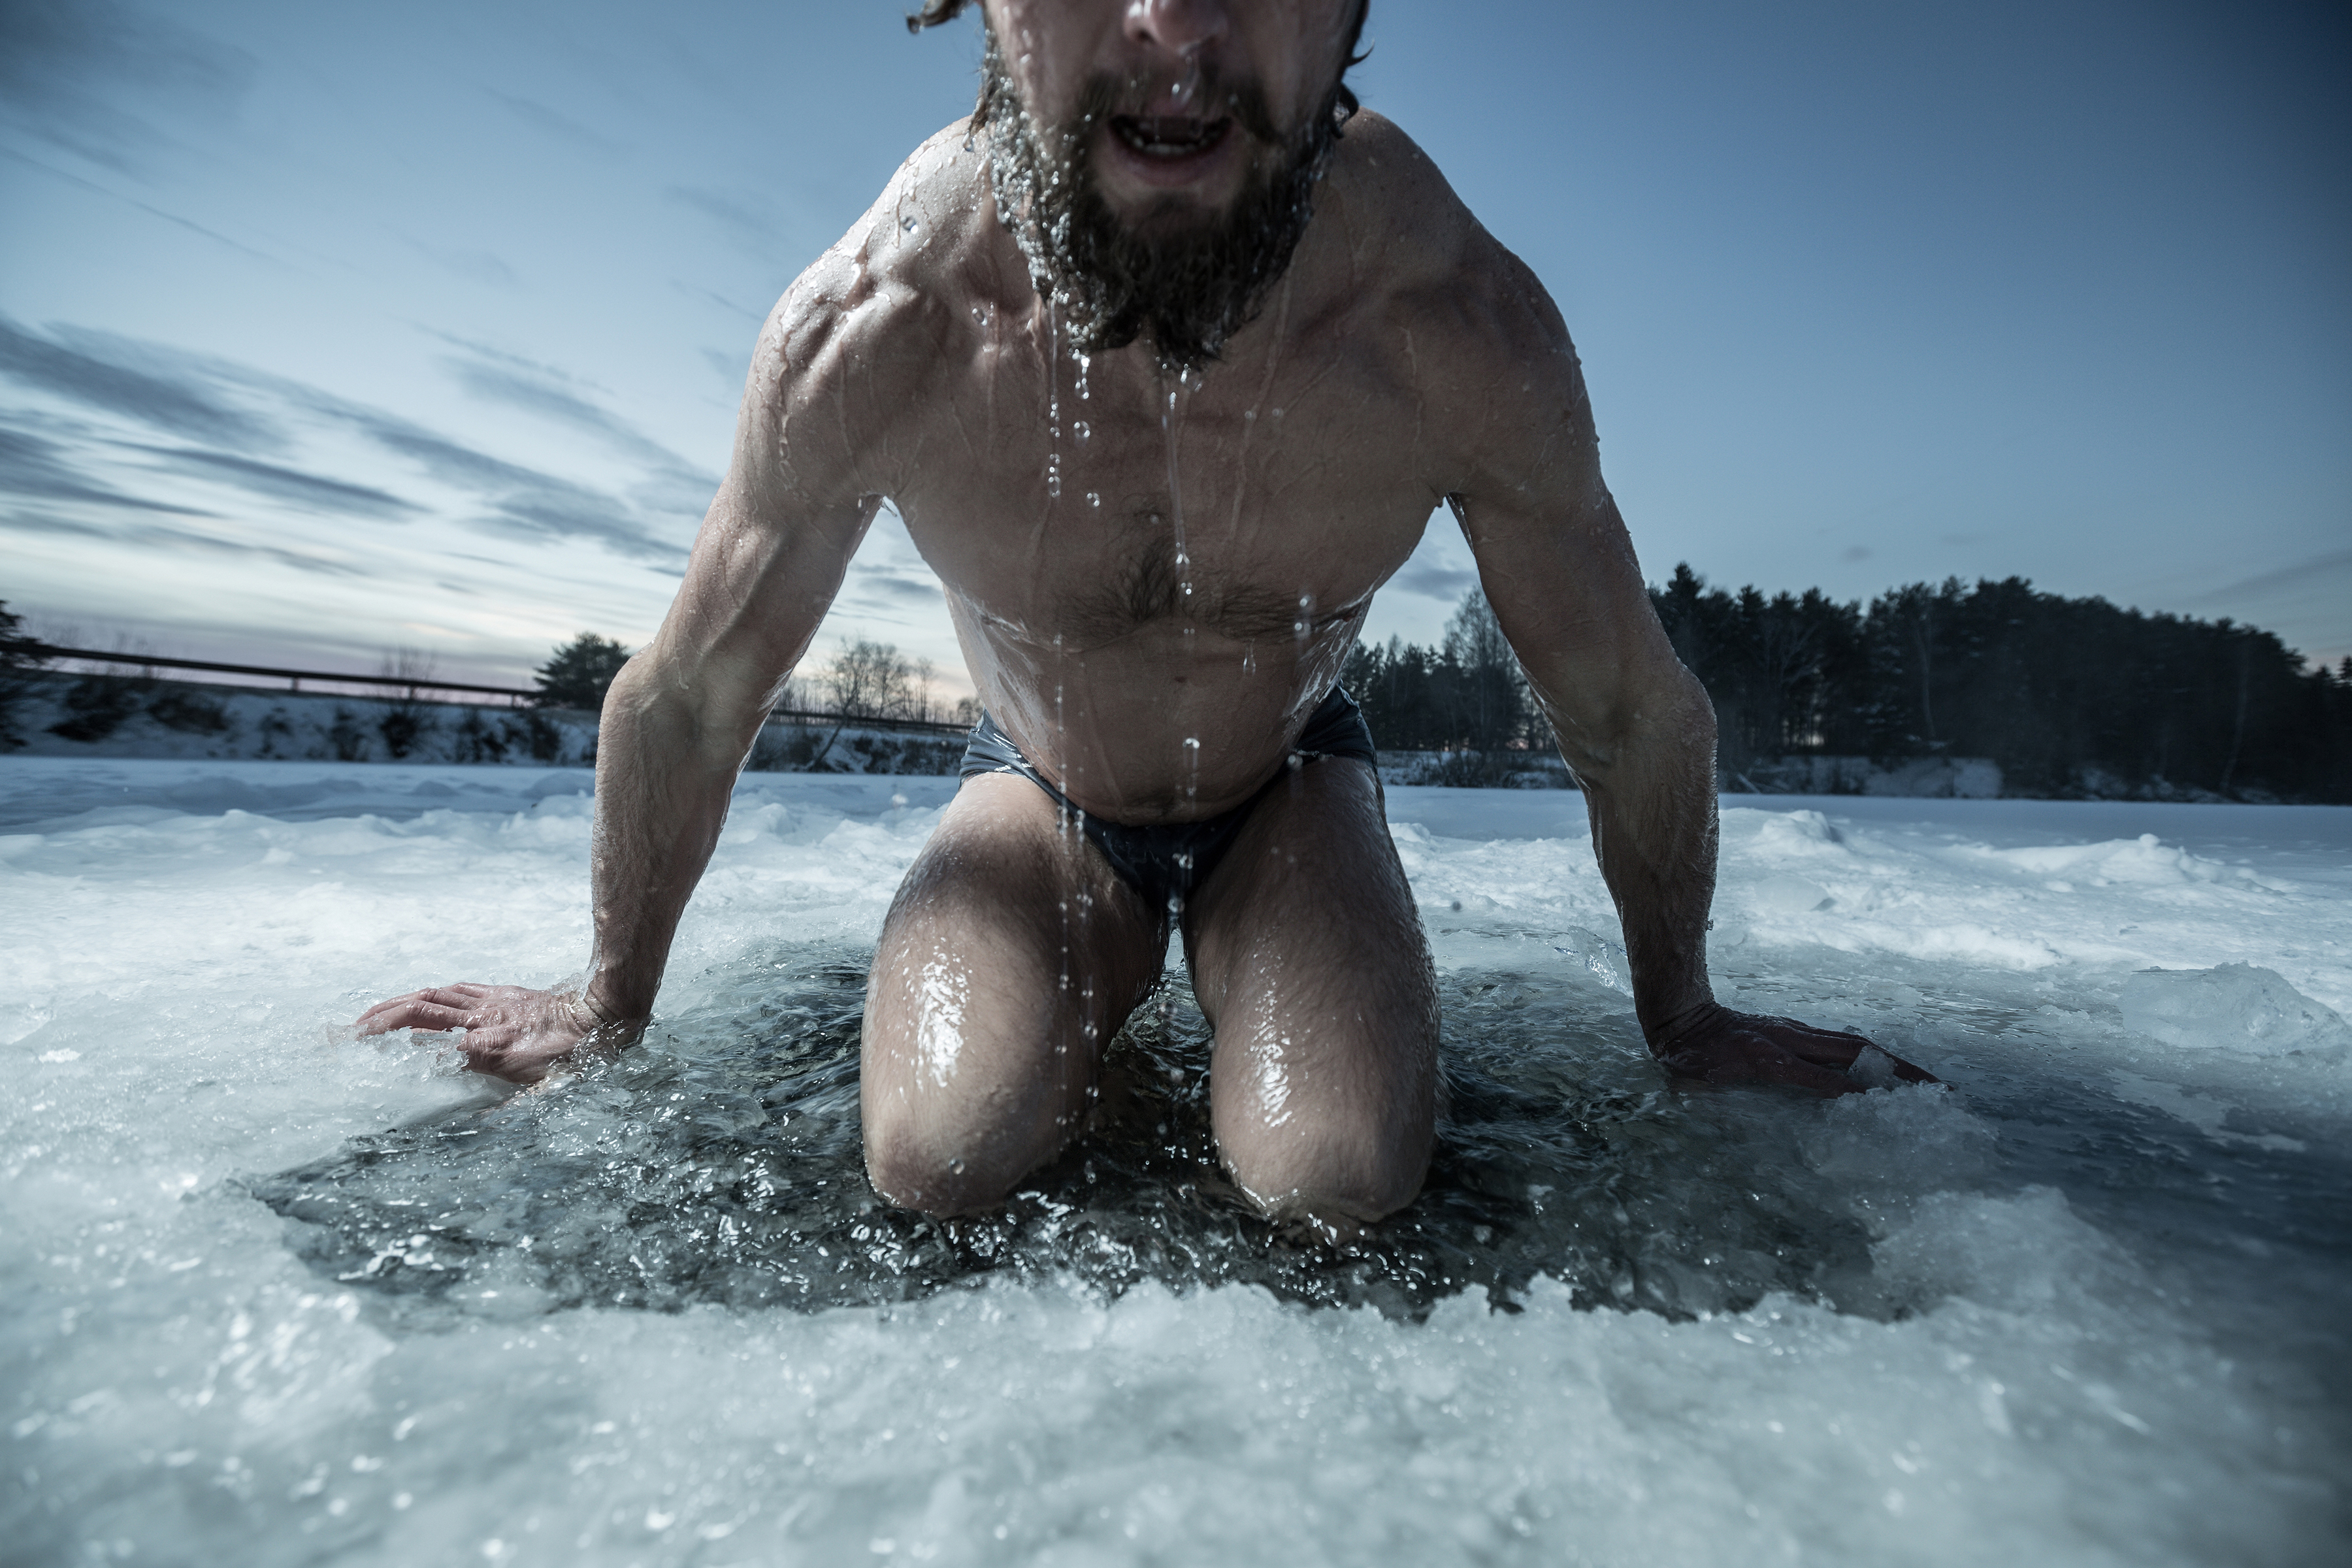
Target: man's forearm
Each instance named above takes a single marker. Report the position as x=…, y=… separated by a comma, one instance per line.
x=664, y=776
x=1650, y=795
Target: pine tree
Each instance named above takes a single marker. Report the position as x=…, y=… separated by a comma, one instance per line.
x=581, y=672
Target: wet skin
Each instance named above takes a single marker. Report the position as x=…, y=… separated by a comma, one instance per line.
x=1154, y=581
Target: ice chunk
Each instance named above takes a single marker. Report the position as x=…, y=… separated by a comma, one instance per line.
x=1788, y=894
x=2238, y=1007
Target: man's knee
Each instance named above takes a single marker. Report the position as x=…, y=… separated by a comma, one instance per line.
x=1333, y=1168
x=942, y=1171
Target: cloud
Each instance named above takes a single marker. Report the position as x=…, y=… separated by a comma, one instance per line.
x=149, y=208
x=884, y=583
x=523, y=502
x=2295, y=579
x=711, y=296
x=671, y=483
x=151, y=396
x=37, y=467
x=1432, y=581
x=732, y=368
x=168, y=537
x=561, y=126
x=746, y=224
x=183, y=395
x=65, y=65
x=474, y=264
x=334, y=497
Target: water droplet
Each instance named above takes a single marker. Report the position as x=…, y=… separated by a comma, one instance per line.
x=1082, y=429
x=907, y=224
x=1192, y=742
x=1093, y=499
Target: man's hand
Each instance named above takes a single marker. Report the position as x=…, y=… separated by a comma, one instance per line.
x=512, y=1031
x=1716, y=1045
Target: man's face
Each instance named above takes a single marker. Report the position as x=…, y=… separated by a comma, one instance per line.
x=1156, y=158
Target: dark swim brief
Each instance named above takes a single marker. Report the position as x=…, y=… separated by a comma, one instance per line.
x=1165, y=861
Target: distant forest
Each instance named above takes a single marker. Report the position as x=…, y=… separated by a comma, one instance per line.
x=2071, y=697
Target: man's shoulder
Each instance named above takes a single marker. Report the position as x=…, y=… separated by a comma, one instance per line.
x=1435, y=256
x=920, y=243
x=882, y=300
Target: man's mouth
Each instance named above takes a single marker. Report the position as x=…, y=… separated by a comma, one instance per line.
x=1168, y=135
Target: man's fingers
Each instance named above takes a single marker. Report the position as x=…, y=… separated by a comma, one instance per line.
x=1836, y=1048
x=409, y=1012
x=1910, y=1072
x=463, y=998
x=1790, y=1069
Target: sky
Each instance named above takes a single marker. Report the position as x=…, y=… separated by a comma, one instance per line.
x=328, y=331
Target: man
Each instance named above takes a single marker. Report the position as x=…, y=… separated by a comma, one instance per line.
x=1164, y=357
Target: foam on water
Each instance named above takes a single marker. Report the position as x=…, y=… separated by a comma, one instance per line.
x=276, y=1296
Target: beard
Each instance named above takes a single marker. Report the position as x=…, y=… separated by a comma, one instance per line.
x=1189, y=288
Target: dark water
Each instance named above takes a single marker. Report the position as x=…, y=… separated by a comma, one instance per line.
x=722, y=1164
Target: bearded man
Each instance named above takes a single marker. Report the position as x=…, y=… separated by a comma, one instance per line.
x=1165, y=356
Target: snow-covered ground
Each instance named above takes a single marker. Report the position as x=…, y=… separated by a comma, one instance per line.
x=276, y=1296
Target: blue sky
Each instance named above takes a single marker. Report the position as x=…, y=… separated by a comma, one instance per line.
x=328, y=328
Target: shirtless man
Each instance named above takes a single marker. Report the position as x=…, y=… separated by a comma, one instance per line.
x=1164, y=357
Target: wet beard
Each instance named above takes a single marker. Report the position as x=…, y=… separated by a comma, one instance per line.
x=1188, y=289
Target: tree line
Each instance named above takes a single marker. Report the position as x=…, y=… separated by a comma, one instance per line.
x=2069, y=696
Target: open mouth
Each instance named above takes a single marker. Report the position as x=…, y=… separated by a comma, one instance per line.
x=1168, y=135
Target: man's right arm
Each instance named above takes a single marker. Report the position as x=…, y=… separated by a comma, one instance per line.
x=685, y=711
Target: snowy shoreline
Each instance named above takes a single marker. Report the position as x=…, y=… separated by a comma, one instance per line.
x=123, y=718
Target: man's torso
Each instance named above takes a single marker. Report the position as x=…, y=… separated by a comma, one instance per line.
x=1153, y=582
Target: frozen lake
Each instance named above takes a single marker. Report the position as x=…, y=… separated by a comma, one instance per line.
x=274, y=1296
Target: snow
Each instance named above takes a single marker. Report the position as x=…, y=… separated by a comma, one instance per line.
x=276, y=1295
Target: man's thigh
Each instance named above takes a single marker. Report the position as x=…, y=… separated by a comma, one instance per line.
x=1309, y=961
x=1011, y=955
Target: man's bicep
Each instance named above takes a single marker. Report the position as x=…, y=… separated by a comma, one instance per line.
x=772, y=550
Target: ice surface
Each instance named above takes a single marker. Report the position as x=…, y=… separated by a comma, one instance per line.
x=2235, y=1007
x=277, y=1296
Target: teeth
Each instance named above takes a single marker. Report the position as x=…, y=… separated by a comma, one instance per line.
x=1155, y=138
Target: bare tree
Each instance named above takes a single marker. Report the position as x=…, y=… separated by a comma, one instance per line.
x=865, y=679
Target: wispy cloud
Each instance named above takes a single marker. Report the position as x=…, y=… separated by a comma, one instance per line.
x=154, y=396
x=749, y=227
x=334, y=498
x=166, y=536
x=561, y=126
x=1432, y=581
x=169, y=392
x=68, y=67
x=40, y=470
x=471, y=263
x=149, y=208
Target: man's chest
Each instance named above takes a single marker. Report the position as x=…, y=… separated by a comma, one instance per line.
x=1088, y=507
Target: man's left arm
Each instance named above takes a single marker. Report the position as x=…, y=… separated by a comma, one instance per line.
x=1635, y=726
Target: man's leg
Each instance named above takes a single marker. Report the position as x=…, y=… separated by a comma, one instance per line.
x=1011, y=955
x=1310, y=961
